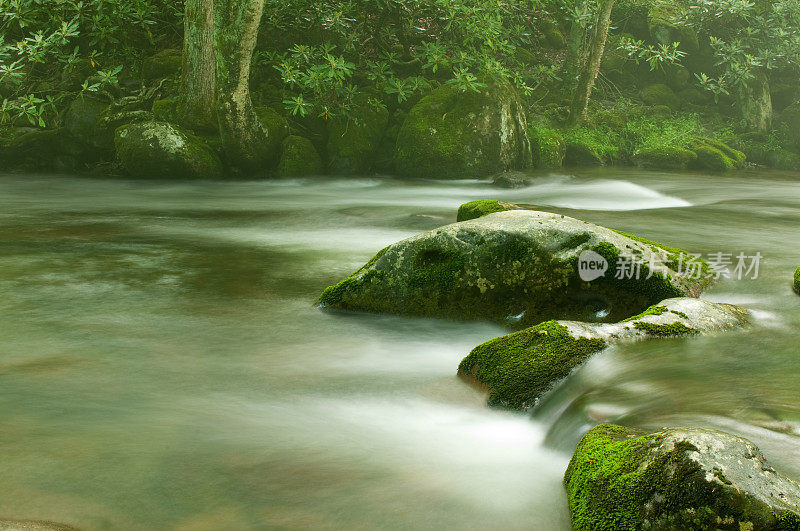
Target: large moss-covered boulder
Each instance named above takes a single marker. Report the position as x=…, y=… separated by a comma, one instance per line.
x=81, y=121
x=164, y=151
x=549, y=148
x=299, y=158
x=276, y=128
x=676, y=478
x=518, y=267
x=660, y=94
x=715, y=155
x=33, y=149
x=453, y=134
x=789, y=123
x=664, y=158
x=354, y=139
x=162, y=64
x=578, y=152
x=519, y=368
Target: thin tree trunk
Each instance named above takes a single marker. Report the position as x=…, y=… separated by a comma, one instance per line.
x=236, y=32
x=198, y=83
x=583, y=91
x=577, y=33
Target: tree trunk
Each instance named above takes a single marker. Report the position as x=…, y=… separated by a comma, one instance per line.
x=198, y=83
x=577, y=34
x=755, y=103
x=235, y=33
x=597, y=46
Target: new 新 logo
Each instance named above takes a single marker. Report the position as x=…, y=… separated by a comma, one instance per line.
x=591, y=266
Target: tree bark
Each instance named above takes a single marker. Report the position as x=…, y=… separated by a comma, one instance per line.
x=755, y=103
x=235, y=33
x=597, y=46
x=577, y=35
x=198, y=83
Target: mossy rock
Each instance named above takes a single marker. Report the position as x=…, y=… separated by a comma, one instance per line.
x=784, y=95
x=81, y=121
x=664, y=158
x=549, y=148
x=482, y=207
x=511, y=180
x=660, y=94
x=277, y=129
x=517, y=267
x=165, y=63
x=165, y=110
x=789, y=123
x=162, y=150
x=676, y=478
x=715, y=155
x=32, y=149
x=33, y=525
x=664, y=31
x=519, y=368
x=796, y=284
x=353, y=140
x=299, y=158
x=451, y=134
x=580, y=153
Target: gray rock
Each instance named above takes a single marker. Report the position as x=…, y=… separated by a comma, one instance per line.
x=511, y=179
x=519, y=368
x=518, y=267
x=676, y=479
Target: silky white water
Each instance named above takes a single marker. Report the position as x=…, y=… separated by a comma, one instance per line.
x=163, y=365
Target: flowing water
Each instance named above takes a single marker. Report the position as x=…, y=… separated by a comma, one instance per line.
x=163, y=365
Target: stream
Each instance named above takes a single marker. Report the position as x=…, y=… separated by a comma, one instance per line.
x=163, y=365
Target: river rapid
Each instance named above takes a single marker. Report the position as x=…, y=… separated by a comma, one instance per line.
x=163, y=365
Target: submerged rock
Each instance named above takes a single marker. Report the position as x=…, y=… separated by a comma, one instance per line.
x=519, y=368
x=452, y=134
x=511, y=179
x=163, y=150
x=676, y=478
x=517, y=267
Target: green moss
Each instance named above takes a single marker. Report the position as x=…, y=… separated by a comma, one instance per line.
x=163, y=64
x=665, y=157
x=353, y=140
x=675, y=329
x=452, y=134
x=548, y=148
x=299, y=158
x=165, y=110
x=437, y=269
x=716, y=156
x=797, y=281
x=480, y=208
x=609, y=480
x=660, y=94
x=552, y=34
x=520, y=367
x=652, y=310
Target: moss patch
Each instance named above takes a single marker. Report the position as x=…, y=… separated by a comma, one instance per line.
x=675, y=329
x=480, y=208
x=797, y=281
x=520, y=367
x=548, y=148
x=299, y=158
